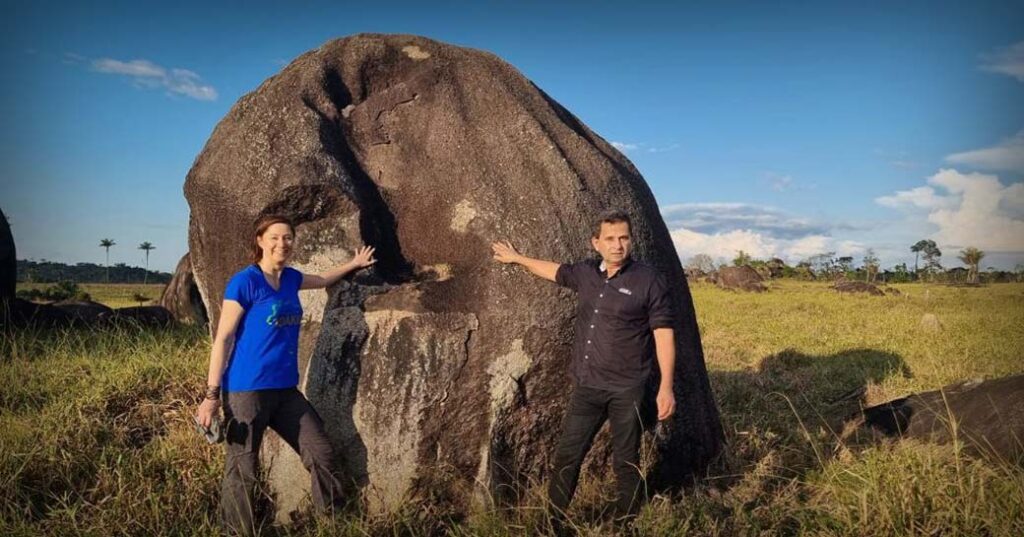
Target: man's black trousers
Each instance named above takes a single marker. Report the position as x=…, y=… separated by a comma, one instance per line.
x=588, y=409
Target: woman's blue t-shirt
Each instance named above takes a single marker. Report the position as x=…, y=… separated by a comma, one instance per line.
x=265, y=355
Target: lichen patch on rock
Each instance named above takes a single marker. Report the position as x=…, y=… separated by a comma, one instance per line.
x=415, y=52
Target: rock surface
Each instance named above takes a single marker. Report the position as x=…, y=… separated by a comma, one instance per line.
x=27, y=313
x=84, y=311
x=8, y=268
x=438, y=372
x=181, y=296
x=987, y=416
x=742, y=278
x=153, y=316
x=846, y=286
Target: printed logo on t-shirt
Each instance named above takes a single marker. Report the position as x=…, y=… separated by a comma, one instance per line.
x=275, y=319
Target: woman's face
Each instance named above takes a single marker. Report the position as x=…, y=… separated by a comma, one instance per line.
x=276, y=243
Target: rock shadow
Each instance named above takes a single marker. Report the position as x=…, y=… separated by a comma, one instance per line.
x=335, y=364
x=792, y=407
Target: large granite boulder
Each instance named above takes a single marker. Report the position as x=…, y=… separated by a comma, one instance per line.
x=181, y=296
x=987, y=416
x=438, y=372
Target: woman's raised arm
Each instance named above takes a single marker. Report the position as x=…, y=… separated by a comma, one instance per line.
x=362, y=259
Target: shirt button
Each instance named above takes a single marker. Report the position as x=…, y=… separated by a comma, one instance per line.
x=585, y=357
x=588, y=342
x=595, y=311
x=591, y=326
x=600, y=295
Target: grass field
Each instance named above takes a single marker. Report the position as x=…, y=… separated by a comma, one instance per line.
x=115, y=295
x=96, y=438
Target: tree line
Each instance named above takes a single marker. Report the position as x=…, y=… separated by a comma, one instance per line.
x=52, y=272
x=927, y=267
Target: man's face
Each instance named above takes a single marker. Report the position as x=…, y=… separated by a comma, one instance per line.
x=613, y=243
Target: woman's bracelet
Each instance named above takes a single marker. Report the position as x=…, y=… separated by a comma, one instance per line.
x=212, y=392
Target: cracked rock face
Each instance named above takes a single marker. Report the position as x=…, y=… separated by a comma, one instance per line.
x=439, y=373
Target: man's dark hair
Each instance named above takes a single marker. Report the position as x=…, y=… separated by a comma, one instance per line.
x=612, y=217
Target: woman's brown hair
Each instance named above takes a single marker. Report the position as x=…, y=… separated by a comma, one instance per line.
x=261, y=225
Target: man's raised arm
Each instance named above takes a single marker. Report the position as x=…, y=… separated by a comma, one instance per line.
x=504, y=252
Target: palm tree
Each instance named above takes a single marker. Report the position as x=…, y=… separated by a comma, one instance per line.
x=971, y=257
x=147, y=246
x=107, y=243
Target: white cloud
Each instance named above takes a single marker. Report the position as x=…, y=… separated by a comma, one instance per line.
x=922, y=196
x=850, y=248
x=1008, y=61
x=974, y=210
x=1007, y=155
x=807, y=246
x=713, y=218
x=779, y=182
x=146, y=74
x=663, y=149
x=624, y=147
x=725, y=245
x=722, y=245
x=141, y=68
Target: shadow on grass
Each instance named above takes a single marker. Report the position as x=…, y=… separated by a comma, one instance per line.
x=789, y=410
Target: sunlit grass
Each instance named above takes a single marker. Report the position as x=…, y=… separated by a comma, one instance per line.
x=96, y=437
x=115, y=295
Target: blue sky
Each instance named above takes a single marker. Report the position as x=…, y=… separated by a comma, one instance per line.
x=781, y=130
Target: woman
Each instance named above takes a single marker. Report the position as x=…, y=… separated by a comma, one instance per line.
x=259, y=330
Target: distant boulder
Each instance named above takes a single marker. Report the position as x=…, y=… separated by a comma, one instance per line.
x=742, y=278
x=25, y=313
x=694, y=274
x=84, y=311
x=181, y=296
x=988, y=417
x=846, y=286
x=156, y=316
x=776, y=267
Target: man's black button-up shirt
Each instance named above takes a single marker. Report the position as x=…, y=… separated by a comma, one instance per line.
x=614, y=345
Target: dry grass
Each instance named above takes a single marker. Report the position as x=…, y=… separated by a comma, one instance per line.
x=95, y=437
x=115, y=295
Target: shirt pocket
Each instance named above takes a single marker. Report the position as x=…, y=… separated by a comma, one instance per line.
x=625, y=307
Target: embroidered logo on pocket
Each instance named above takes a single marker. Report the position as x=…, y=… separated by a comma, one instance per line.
x=625, y=291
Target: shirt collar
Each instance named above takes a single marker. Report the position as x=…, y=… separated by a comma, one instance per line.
x=603, y=269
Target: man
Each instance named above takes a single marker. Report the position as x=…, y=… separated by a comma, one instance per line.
x=623, y=306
